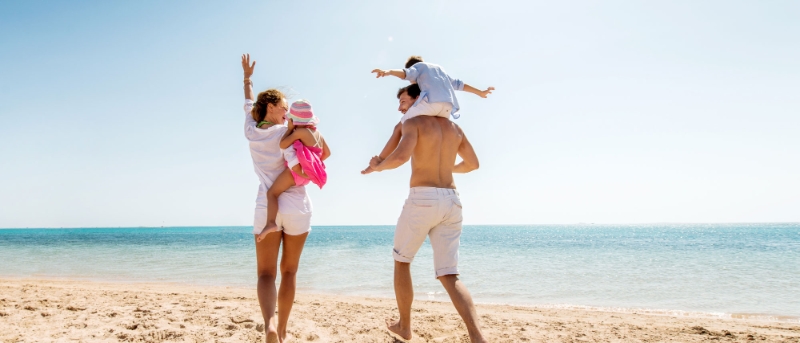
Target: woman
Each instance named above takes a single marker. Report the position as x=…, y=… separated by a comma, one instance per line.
x=264, y=127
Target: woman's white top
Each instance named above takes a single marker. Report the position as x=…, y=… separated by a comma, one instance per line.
x=268, y=162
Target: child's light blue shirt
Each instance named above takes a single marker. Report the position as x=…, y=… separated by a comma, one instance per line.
x=435, y=84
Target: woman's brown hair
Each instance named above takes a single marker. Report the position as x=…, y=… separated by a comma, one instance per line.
x=269, y=96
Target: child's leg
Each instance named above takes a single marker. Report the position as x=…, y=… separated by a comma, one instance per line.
x=297, y=169
x=281, y=184
x=441, y=109
x=424, y=108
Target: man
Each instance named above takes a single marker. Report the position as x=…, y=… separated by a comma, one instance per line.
x=433, y=207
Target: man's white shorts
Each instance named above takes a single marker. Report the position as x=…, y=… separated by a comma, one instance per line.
x=424, y=108
x=434, y=212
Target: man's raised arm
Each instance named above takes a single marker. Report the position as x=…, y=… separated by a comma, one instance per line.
x=469, y=160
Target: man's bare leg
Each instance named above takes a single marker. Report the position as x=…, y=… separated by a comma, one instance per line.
x=462, y=300
x=404, y=292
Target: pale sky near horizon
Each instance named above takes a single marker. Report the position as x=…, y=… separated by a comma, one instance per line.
x=130, y=113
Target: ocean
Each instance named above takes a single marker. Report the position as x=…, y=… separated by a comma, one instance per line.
x=725, y=270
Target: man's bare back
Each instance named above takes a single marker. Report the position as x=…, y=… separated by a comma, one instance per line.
x=434, y=155
x=432, y=144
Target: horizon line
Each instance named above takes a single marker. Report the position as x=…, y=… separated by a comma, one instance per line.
x=372, y=225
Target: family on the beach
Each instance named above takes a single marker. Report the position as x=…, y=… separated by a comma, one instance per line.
x=288, y=156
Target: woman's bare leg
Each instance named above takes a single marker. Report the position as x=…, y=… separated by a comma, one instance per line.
x=281, y=184
x=267, y=268
x=292, y=248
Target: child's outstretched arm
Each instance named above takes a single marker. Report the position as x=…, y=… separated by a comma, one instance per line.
x=478, y=92
x=461, y=86
x=393, y=72
x=391, y=145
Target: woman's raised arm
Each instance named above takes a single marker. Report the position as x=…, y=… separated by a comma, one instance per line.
x=248, y=71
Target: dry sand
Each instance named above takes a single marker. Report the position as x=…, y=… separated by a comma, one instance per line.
x=80, y=311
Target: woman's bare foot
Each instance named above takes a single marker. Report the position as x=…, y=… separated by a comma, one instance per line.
x=270, y=228
x=272, y=332
x=394, y=326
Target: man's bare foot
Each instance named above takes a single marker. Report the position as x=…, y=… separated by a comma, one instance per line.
x=270, y=228
x=287, y=338
x=272, y=332
x=394, y=326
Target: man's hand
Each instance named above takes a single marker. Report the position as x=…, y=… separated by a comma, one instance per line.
x=380, y=73
x=374, y=162
x=373, y=165
x=484, y=94
x=247, y=67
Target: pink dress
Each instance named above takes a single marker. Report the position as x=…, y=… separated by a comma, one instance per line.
x=310, y=158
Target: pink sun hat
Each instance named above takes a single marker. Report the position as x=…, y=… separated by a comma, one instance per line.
x=301, y=113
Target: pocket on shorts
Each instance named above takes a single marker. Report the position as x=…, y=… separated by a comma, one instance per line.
x=422, y=203
x=457, y=202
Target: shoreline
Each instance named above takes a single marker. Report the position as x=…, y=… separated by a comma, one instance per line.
x=744, y=316
x=37, y=309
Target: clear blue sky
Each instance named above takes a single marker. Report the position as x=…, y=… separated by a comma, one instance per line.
x=129, y=113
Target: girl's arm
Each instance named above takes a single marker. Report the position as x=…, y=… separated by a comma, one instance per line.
x=288, y=138
x=248, y=71
x=326, y=152
x=286, y=141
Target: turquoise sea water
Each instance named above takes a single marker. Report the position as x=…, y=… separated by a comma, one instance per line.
x=718, y=269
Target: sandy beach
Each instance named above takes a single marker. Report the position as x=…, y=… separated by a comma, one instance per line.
x=56, y=310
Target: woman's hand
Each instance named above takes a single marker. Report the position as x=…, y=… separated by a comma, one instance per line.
x=290, y=125
x=247, y=67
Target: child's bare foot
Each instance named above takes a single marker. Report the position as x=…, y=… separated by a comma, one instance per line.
x=270, y=228
x=394, y=326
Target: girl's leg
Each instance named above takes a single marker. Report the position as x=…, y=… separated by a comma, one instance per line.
x=292, y=248
x=297, y=169
x=281, y=184
x=267, y=269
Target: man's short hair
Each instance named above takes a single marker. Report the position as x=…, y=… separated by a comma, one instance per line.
x=412, y=90
x=413, y=60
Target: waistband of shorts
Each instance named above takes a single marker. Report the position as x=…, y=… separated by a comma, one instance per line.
x=433, y=190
